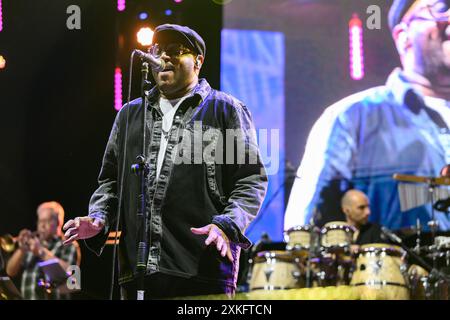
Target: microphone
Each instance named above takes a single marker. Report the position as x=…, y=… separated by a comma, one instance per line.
x=155, y=63
x=390, y=235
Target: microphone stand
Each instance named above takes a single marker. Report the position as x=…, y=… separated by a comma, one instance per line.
x=141, y=169
x=308, y=262
x=312, y=250
x=433, y=224
x=2, y=264
x=435, y=274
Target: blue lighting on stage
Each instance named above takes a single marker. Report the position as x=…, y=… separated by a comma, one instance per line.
x=143, y=15
x=252, y=70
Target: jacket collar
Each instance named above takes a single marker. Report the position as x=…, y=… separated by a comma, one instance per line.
x=403, y=92
x=201, y=91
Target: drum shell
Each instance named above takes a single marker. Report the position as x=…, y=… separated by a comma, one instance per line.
x=300, y=238
x=417, y=280
x=336, y=269
x=380, y=273
x=423, y=287
x=274, y=270
x=336, y=236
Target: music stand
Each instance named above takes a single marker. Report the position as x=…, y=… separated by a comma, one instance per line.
x=55, y=275
x=8, y=290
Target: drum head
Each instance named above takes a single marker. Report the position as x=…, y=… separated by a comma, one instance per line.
x=277, y=255
x=306, y=227
x=389, y=249
x=337, y=225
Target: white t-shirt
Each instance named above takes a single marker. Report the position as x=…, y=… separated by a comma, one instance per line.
x=168, y=109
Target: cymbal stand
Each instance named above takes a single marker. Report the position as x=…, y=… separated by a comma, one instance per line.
x=433, y=224
x=418, y=235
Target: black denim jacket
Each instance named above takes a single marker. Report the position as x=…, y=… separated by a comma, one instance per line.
x=220, y=189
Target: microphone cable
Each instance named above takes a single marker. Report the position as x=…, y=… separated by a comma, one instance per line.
x=119, y=205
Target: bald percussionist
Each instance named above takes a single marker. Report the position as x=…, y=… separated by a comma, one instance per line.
x=356, y=207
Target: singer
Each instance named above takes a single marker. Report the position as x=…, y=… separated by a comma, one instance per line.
x=199, y=212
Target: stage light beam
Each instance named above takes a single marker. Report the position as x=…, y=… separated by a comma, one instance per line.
x=1, y=16
x=118, y=88
x=121, y=5
x=356, y=48
x=143, y=15
x=145, y=36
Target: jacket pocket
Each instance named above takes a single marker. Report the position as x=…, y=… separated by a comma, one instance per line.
x=213, y=189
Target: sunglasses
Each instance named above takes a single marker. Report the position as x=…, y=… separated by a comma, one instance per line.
x=172, y=50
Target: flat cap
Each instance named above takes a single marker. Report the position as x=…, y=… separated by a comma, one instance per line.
x=182, y=34
x=397, y=11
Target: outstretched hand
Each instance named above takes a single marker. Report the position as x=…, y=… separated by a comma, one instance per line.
x=82, y=228
x=217, y=236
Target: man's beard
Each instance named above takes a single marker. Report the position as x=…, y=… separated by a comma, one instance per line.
x=435, y=65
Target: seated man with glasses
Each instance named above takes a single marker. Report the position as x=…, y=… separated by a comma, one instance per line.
x=401, y=127
x=199, y=207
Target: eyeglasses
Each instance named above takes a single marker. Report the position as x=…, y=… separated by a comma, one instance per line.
x=439, y=11
x=172, y=50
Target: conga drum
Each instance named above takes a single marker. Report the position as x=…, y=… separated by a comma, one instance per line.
x=380, y=272
x=275, y=270
x=418, y=281
x=337, y=236
x=301, y=238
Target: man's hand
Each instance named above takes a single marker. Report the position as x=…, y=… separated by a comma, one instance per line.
x=82, y=228
x=217, y=236
x=23, y=239
x=35, y=246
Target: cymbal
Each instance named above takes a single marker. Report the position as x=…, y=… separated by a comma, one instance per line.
x=422, y=179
